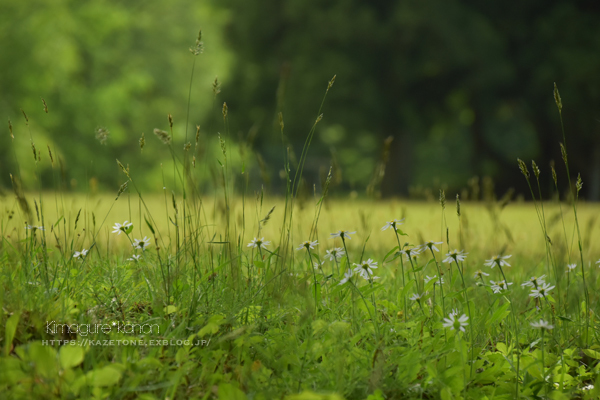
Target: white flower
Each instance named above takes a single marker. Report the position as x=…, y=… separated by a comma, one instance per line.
x=455, y=255
x=542, y=325
x=135, y=257
x=416, y=297
x=454, y=312
x=541, y=291
x=454, y=323
x=498, y=260
x=261, y=243
x=588, y=387
x=318, y=265
x=411, y=252
x=81, y=253
x=335, y=253
x=307, y=245
x=597, y=262
x=430, y=245
x=498, y=287
x=571, y=267
x=429, y=278
x=480, y=274
x=392, y=224
x=33, y=227
x=347, y=275
x=365, y=268
x=141, y=243
x=118, y=228
x=342, y=234
x=534, y=282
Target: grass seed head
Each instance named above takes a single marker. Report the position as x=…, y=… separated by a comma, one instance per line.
x=579, y=183
x=142, y=142
x=457, y=205
x=197, y=135
x=198, y=48
x=45, y=105
x=12, y=136
x=216, y=87
x=330, y=84
x=102, y=135
x=50, y=154
x=35, y=156
x=125, y=170
x=523, y=168
x=536, y=170
x=122, y=189
x=170, y=117
x=225, y=110
x=223, y=147
x=554, y=178
x=563, y=152
x=162, y=135
x=443, y=199
x=26, y=119
x=557, y=99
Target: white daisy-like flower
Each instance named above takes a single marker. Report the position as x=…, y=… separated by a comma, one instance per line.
x=307, y=244
x=431, y=245
x=335, y=253
x=453, y=323
x=392, y=224
x=79, y=254
x=416, y=297
x=534, y=281
x=411, y=252
x=318, y=265
x=571, y=267
x=347, y=275
x=454, y=312
x=118, y=228
x=588, y=387
x=498, y=260
x=141, y=243
x=480, y=274
x=429, y=278
x=597, y=262
x=541, y=291
x=33, y=227
x=498, y=287
x=342, y=234
x=541, y=324
x=261, y=243
x=455, y=255
x=365, y=268
x=135, y=257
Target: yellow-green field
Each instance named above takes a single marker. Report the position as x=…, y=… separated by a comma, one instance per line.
x=486, y=229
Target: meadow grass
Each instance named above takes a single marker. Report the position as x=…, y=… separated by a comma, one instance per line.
x=248, y=296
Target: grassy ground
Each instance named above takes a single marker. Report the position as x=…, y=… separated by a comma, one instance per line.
x=202, y=315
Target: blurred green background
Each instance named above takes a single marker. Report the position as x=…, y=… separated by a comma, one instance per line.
x=462, y=87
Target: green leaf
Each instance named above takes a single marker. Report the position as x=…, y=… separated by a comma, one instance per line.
x=399, y=231
x=170, y=309
x=499, y=314
x=70, y=356
x=392, y=251
x=10, y=329
x=230, y=392
x=592, y=353
x=104, y=377
x=149, y=225
x=212, y=326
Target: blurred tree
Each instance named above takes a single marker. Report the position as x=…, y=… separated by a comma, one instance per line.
x=120, y=66
x=464, y=86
